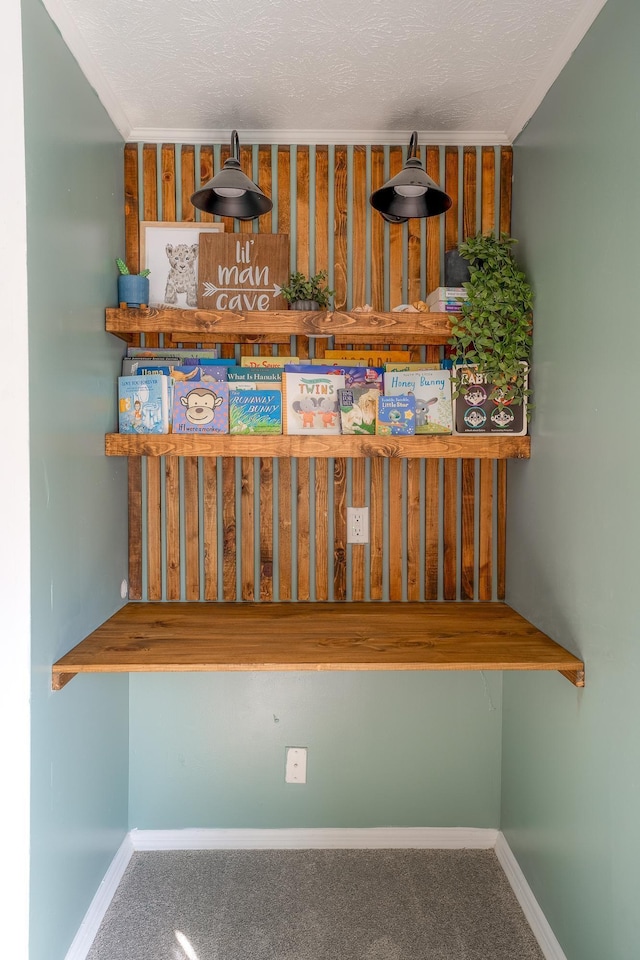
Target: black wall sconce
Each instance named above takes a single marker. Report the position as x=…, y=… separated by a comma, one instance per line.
x=411, y=193
x=231, y=193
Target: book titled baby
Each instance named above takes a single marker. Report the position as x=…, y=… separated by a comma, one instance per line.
x=310, y=403
x=144, y=404
x=432, y=390
x=396, y=416
x=201, y=407
x=479, y=408
x=255, y=411
x=358, y=407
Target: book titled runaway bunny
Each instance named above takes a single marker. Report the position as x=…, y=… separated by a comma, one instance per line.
x=432, y=390
x=310, y=403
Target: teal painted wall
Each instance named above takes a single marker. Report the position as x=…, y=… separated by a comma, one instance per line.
x=78, y=497
x=571, y=760
x=385, y=749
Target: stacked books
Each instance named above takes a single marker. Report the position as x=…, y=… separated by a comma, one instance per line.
x=446, y=299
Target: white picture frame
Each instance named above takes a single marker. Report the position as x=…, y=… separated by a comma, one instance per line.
x=170, y=285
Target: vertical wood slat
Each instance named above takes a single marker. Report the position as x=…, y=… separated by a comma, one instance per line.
x=265, y=587
x=450, y=545
x=210, y=527
x=131, y=211
x=501, y=532
x=359, y=245
x=168, y=179
x=413, y=529
x=265, y=182
x=134, y=482
x=191, y=529
x=150, y=202
x=396, y=233
x=340, y=265
x=172, y=525
x=228, y=528
x=322, y=209
x=395, y=530
x=206, y=173
x=246, y=165
x=154, y=548
x=247, y=533
x=358, y=498
x=321, y=531
x=506, y=177
x=377, y=233
x=376, y=569
x=488, y=189
x=432, y=529
x=485, y=534
x=187, y=181
x=339, y=528
x=467, y=521
x=451, y=187
x=303, y=528
x=433, y=243
x=284, y=529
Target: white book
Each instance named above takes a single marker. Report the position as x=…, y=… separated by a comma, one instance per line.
x=432, y=390
x=310, y=403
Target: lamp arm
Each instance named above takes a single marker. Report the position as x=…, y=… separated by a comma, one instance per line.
x=235, y=145
x=413, y=145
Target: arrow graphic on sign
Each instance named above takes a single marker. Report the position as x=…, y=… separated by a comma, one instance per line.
x=210, y=289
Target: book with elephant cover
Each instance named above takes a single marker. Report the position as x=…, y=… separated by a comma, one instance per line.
x=310, y=403
x=432, y=390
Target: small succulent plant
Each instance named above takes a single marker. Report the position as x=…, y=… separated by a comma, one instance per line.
x=124, y=269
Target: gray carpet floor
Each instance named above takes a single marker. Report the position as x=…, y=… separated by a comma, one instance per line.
x=315, y=905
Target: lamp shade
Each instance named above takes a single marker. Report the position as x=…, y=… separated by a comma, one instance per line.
x=231, y=193
x=411, y=193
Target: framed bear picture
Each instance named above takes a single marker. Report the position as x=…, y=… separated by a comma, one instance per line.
x=170, y=251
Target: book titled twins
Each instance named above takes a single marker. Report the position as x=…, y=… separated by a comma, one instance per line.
x=432, y=390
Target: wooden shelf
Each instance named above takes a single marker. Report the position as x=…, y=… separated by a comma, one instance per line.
x=171, y=637
x=279, y=326
x=225, y=445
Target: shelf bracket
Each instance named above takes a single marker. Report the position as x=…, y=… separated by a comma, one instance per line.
x=576, y=677
x=60, y=679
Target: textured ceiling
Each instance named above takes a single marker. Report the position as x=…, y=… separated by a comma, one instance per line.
x=456, y=66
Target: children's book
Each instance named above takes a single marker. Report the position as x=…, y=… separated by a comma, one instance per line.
x=172, y=353
x=432, y=390
x=396, y=416
x=310, y=403
x=372, y=358
x=181, y=373
x=476, y=412
x=144, y=404
x=247, y=378
x=201, y=407
x=267, y=361
x=441, y=294
x=399, y=367
x=358, y=406
x=255, y=411
x=353, y=376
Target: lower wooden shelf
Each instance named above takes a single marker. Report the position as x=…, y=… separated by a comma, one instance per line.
x=170, y=637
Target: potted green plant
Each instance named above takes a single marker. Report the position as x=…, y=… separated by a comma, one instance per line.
x=494, y=331
x=307, y=293
x=133, y=288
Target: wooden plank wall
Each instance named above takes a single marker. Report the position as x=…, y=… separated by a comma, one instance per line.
x=260, y=529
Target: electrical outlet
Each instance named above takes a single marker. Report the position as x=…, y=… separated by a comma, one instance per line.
x=295, y=765
x=357, y=524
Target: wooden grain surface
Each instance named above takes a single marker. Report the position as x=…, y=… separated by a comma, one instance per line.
x=227, y=445
x=309, y=636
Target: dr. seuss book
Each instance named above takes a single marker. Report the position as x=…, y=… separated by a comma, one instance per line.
x=144, y=404
x=267, y=361
x=475, y=411
x=255, y=411
x=432, y=390
x=358, y=407
x=310, y=403
x=396, y=416
x=371, y=358
x=399, y=367
x=201, y=408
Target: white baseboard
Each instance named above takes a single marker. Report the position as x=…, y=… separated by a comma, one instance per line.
x=372, y=838
x=99, y=905
x=321, y=838
x=530, y=907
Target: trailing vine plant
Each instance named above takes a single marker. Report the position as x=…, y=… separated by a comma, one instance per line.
x=494, y=331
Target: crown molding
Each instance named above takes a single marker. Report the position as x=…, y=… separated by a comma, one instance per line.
x=59, y=13
x=466, y=138
x=554, y=68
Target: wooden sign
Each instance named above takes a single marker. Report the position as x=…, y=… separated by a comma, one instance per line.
x=242, y=272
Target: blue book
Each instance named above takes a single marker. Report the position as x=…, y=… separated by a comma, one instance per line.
x=200, y=407
x=255, y=411
x=186, y=372
x=353, y=376
x=396, y=416
x=144, y=404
